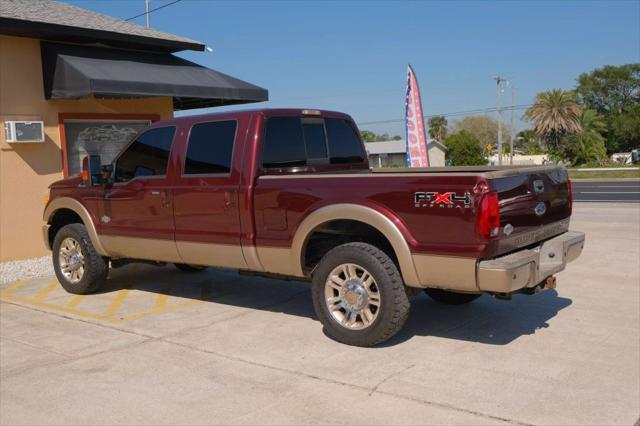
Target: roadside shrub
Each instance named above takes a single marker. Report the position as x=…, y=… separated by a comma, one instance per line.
x=464, y=149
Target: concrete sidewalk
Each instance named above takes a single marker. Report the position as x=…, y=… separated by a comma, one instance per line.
x=162, y=347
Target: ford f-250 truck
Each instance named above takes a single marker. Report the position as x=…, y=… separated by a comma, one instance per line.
x=289, y=193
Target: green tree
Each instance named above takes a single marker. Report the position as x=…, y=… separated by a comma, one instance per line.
x=367, y=136
x=484, y=128
x=610, y=89
x=464, y=149
x=588, y=145
x=528, y=142
x=555, y=114
x=437, y=127
x=614, y=92
x=623, y=130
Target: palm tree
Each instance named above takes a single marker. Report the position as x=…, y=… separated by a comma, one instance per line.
x=588, y=145
x=554, y=114
x=438, y=128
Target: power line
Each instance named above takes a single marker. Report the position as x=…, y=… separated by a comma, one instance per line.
x=450, y=114
x=153, y=10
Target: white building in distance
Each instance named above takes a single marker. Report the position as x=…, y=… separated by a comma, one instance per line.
x=394, y=153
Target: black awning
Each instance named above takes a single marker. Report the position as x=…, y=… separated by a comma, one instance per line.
x=73, y=72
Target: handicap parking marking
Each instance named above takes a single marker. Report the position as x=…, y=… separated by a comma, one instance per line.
x=122, y=305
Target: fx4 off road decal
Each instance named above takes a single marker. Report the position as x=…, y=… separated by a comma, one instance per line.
x=443, y=199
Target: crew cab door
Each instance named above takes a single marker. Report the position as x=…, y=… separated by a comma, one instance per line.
x=136, y=212
x=206, y=195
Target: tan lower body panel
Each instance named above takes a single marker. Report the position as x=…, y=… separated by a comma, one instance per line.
x=446, y=272
x=206, y=254
x=279, y=260
x=189, y=252
x=141, y=248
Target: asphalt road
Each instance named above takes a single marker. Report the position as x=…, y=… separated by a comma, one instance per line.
x=607, y=191
x=161, y=347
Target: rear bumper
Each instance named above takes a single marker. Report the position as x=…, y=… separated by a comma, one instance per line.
x=528, y=268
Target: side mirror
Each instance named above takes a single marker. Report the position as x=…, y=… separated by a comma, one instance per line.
x=91, y=170
x=107, y=174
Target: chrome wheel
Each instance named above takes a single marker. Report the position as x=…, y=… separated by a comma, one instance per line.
x=352, y=296
x=71, y=260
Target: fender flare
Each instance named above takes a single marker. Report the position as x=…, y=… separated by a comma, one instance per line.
x=363, y=214
x=77, y=207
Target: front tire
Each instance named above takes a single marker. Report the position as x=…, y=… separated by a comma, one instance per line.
x=358, y=295
x=451, y=297
x=78, y=267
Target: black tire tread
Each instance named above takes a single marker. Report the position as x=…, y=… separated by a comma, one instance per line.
x=96, y=267
x=400, y=297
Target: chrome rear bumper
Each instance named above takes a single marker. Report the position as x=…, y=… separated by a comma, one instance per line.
x=528, y=268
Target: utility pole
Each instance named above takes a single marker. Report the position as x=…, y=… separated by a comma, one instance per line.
x=513, y=131
x=499, y=80
x=147, y=4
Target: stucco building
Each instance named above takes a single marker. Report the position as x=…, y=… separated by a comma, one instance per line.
x=74, y=82
x=394, y=153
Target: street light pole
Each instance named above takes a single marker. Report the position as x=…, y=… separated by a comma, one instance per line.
x=513, y=131
x=147, y=4
x=499, y=81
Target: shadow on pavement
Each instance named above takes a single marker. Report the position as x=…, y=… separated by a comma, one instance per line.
x=486, y=320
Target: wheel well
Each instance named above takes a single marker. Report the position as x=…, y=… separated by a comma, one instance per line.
x=337, y=232
x=61, y=218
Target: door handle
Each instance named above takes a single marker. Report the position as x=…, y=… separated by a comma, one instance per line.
x=228, y=201
x=164, y=200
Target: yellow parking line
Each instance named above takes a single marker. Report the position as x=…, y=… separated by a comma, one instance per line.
x=115, y=305
x=75, y=301
x=161, y=301
x=13, y=287
x=43, y=293
x=58, y=308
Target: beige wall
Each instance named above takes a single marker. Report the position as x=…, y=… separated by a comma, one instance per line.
x=27, y=169
x=436, y=156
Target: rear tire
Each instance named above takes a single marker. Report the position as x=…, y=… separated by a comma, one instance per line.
x=78, y=267
x=451, y=297
x=358, y=295
x=189, y=268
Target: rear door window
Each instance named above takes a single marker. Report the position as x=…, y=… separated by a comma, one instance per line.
x=210, y=148
x=148, y=155
x=284, y=143
x=344, y=142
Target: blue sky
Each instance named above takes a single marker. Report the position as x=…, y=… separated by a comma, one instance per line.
x=352, y=56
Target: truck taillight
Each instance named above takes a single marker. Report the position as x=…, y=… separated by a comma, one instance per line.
x=570, y=187
x=489, y=216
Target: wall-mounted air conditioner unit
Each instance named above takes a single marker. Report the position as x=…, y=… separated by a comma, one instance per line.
x=23, y=131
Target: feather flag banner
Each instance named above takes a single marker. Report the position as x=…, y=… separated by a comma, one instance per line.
x=417, y=154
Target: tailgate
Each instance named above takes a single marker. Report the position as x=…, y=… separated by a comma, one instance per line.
x=535, y=204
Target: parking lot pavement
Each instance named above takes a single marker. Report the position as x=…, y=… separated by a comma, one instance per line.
x=163, y=347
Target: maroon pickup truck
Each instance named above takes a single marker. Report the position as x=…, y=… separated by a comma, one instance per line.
x=289, y=193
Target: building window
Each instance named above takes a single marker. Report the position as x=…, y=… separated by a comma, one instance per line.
x=97, y=137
